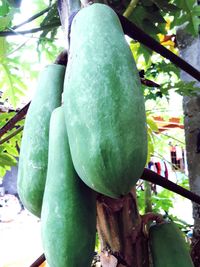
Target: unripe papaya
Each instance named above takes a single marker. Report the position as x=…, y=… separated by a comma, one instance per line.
x=68, y=218
x=168, y=246
x=104, y=104
x=34, y=146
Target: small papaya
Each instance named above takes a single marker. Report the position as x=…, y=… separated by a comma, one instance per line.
x=33, y=157
x=68, y=218
x=104, y=104
x=168, y=247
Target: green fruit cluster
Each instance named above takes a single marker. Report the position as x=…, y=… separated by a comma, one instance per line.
x=95, y=142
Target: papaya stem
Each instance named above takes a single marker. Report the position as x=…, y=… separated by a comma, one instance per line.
x=130, y=8
x=151, y=216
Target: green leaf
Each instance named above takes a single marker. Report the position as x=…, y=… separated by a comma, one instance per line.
x=11, y=82
x=146, y=52
x=52, y=17
x=3, y=172
x=3, y=48
x=12, y=150
x=152, y=124
x=5, y=21
x=189, y=14
x=183, y=88
x=7, y=160
x=4, y=8
x=138, y=15
x=196, y=10
x=165, y=5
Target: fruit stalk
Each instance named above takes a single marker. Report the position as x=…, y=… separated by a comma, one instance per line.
x=120, y=231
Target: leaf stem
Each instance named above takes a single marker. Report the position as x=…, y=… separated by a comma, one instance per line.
x=155, y=178
x=17, y=48
x=11, y=32
x=11, y=135
x=11, y=123
x=169, y=136
x=130, y=8
x=32, y=18
x=136, y=33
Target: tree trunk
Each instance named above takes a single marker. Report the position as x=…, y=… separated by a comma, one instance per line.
x=190, y=50
x=121, y=232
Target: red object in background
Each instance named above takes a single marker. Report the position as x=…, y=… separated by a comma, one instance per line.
x=166, y=171
x=158, y=167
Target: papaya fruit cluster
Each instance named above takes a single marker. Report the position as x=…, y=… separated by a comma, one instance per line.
x=95, y=141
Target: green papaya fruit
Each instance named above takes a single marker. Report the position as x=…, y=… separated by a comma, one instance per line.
x=168, y=247
x=34, y=146
x=104, y=104
x=68, y=218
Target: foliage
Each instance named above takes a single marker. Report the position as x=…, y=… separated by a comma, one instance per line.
x=152, y=128
x=9, y=150
x=159, y=18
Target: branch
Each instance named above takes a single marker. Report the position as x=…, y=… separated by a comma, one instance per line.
x=11, y=135
x=45, y=27
x=32, y=18
x=11, y=123
x=39, y=261
x=149, y=83
x=136, y=33
x=155, y=178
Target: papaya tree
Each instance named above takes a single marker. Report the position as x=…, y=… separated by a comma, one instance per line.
x=122, y=231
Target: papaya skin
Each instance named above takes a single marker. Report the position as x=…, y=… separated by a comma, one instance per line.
x=33, y=158
x=104, y=104
x=68, y=218
x=168, y=246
